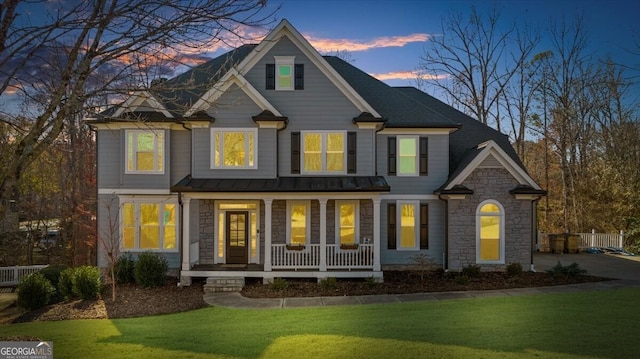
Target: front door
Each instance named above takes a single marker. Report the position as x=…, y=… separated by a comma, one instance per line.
x=237, y=237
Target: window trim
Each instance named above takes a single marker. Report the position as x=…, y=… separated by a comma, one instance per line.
x=307, y=218
x=156, y=153
x=417, y=156
x=323, y=153
x=136, y=203
x=246, y=130
x=356, y=222
x=285, y=61
x=416, y=226
x=501, y=241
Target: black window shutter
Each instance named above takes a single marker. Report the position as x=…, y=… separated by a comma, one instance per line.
x=424, y=226
x=424, y=156
x=391, y=226
x=299, y=76
x=271, y=77
x=391, y=153
x=295, y=152
x=351, y=152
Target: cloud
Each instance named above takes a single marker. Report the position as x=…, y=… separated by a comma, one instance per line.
x=328, y=45
x=407, y=75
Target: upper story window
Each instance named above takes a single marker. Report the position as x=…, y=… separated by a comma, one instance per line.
x=149, y=226
x=234, y=148
x=407, y=156
x=285, y=74
x=323, y=152
x=144, y=151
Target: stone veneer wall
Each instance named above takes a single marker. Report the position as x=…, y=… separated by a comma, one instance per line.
x=494, y=184
x=207, y=220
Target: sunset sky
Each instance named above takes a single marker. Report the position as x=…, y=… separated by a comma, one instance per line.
x=387, y=38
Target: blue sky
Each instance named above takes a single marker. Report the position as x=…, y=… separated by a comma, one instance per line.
x=395, y=32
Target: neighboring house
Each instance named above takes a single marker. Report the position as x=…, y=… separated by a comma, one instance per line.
x=274, y=161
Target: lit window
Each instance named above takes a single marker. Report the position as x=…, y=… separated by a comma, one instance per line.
x=234, y=148
x=407, y=218
x=145, y=151
x=490, y=233
x=149, y=226
x=284, y=72
x=299, y=216
x=323, y=152
x=347, y=222
x=407, y=156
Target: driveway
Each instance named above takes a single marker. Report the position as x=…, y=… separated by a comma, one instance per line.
x=602, y=265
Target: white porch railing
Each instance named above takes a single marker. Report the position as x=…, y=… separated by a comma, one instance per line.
x=592, y=239
x=359, y=258
x=309, y=257
x=10, y=276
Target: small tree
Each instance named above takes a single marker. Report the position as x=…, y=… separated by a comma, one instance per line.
x=110, y=239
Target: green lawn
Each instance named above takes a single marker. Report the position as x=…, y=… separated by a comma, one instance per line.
x=601, y=324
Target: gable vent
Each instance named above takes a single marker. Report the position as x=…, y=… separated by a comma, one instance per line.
x=490, y=162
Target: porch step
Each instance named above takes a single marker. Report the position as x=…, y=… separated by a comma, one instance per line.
x=223, y=284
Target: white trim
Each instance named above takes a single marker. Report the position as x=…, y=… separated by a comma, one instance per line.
x=491, y=148
x=231, y=77
x=285, y=61
x=197, y=124
x=501, y=215
x=307, y=218
x=323, y=152
x=416, y=131
x=284, y=28
x=157, y=162
x=246, y=131
x=416, y=161
x=278, y=125
x=138, y=98
x=137, y=201
x=416, y=226
x=369, y=125
x=356, y=224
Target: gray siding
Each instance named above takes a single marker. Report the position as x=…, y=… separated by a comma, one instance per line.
x=180, y=155
x=438, y=170
x=320, y=106
x=109, y=153
x=234, y=110
x=393, y=257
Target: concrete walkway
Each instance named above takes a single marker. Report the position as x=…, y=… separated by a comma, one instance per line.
x=625, y=269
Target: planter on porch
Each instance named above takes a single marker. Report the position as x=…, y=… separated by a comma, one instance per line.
x=349, y=246
x=295, y=247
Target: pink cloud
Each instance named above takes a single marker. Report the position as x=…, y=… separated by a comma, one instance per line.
x=406, y=75
x=328, y=45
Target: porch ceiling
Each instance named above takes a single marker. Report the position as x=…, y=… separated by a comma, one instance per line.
x=285, y=184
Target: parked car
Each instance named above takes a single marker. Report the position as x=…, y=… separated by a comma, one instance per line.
x=619, y=251
x=49, y=239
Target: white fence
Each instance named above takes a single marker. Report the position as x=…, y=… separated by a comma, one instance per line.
x=308, y=257
x=592, y=239
x=10, y=276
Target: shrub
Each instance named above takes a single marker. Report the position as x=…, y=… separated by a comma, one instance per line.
x=87, y=282
x=150, y=270
x=65, y=283
x=440, y=272
x=329, y=283
x=34, y=292
x=52, y=274
x=471, y=271
x=279, y=284
x=571, y=270
x=371, y=282
x=514, y=270
x=462, y=279
x=124, y=269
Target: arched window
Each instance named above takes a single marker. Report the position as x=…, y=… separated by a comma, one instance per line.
x=490, y=232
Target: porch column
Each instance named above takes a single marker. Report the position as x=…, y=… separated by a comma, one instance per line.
x=323, y=234
x=376, y=234
x=186, y=240
x=267, y=234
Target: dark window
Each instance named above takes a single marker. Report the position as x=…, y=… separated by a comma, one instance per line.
x=391, y=155
x=424, y=226
x=391, y=226
x=299, y=76
x=351, y=152
x=295, y=152
x=271, y=77
x=424, y=155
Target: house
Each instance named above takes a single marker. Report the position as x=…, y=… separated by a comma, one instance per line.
x=274, y=161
